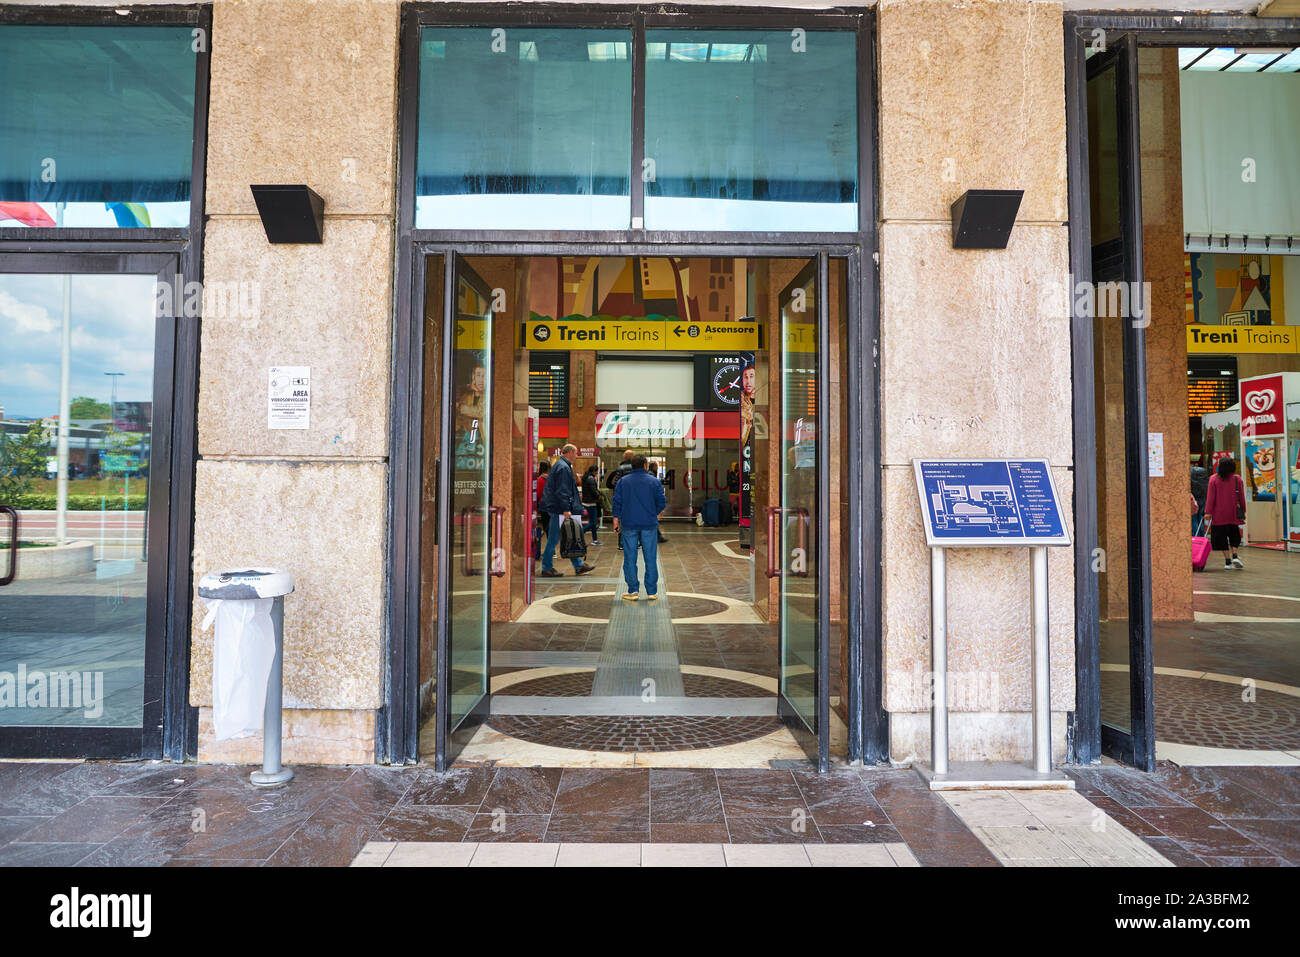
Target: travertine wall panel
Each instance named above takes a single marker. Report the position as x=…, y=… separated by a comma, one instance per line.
x=325, y=306
x=309, y=737
x=975, y=345
x=324, y=524
x=972, y=96
x=975, y=349
x=303, y=92
x=974, y=736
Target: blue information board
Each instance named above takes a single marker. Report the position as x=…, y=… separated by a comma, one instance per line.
x=969, y=502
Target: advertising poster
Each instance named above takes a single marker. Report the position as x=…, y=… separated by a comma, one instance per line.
x=471, y=418
x=748, y=386
x=1261, y=470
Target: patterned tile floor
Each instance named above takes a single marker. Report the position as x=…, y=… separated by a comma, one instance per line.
x=98, y=813
x=700, y=581
x=1230, y=679
x=1212, y=714
x=631, y=733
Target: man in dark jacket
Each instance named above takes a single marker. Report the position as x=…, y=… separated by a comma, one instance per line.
x=560, y=499
x=638, y=501
x=623, y=468
x=611, y=482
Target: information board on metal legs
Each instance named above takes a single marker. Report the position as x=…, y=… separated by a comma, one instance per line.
x=972, y=502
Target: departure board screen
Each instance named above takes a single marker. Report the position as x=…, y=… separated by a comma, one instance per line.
x=1210, y=388
x=548, y=384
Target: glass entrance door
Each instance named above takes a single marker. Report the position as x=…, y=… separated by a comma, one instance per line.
x=466, y=519
x=85, y=385
x=1123, y=560
x=798, y=524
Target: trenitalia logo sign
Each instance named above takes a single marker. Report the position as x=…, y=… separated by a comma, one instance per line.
x=624, y=427
x=1260, y=407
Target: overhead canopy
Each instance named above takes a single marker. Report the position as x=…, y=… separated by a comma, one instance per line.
x=1228, y=418
x=1240, y=172
x=96, y=114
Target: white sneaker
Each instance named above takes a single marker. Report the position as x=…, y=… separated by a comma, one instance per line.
x=1237, y=562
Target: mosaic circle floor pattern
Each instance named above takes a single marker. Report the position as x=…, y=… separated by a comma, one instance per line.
x=597, y=607
x=1209, y=714
x=578, y=685
x=628, y=734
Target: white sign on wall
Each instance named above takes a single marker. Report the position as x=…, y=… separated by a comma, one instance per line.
x=1155, y=454
x=288, y=397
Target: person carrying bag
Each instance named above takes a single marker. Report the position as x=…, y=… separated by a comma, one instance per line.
x=561, y=499
x=1225, y=509
x=573, y=541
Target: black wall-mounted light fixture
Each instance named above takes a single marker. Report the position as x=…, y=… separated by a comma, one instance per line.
x=290, y=214
x=982, y=218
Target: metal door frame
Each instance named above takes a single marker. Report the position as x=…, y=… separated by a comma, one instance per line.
x=1085, y=739
x=174, y=733
x=868, y=730
x=445, y=737
x=167, y=471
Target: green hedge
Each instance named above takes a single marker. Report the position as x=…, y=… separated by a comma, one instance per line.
x=79, y=503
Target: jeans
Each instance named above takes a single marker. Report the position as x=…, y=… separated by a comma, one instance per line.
x=553, y=542
x=593, y=525
x=648, y=541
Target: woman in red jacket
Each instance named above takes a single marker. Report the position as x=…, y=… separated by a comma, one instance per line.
x=1225, y=507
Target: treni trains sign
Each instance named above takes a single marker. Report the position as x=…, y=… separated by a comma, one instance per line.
x=638, y=335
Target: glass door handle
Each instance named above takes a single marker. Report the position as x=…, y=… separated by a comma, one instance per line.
x=773, y=569
x=498, y=513
x=467, y=528
x=13, y=544
x=804, y=519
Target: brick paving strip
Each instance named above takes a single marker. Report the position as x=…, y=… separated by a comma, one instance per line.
x=101, y=813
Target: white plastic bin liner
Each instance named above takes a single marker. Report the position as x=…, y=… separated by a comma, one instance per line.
x=242, y=654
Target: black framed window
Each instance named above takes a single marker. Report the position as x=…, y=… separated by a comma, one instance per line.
x=1106, y=245
x=554, y=122
x=852, y=237
x=96, y=125
x=104, y=241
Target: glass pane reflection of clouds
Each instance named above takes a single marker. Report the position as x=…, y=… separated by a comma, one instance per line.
x=78, y=636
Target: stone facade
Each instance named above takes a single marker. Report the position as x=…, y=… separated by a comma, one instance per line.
x=975, y=356
x=975, y=349
x=321, y=110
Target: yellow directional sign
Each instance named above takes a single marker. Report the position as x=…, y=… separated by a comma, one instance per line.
x=471, y=334
x=639, y=335
x=800, y=337
x=1234, y=340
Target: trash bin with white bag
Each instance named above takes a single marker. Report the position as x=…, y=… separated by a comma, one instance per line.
x=248, y=659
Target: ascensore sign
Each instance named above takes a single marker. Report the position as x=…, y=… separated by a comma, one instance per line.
x=638, y=335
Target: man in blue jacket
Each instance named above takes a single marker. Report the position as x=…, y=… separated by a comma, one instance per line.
x=638, y=502
x=560, y=499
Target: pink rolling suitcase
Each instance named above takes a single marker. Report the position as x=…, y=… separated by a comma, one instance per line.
x=1200, y=550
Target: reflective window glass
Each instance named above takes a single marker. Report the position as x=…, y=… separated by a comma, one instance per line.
x=76, y=443
x=96, y=126
x=751, y=129
x=524, y=128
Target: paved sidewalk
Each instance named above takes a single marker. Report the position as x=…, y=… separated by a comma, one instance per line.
x=423, y=854
x=146, y=813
